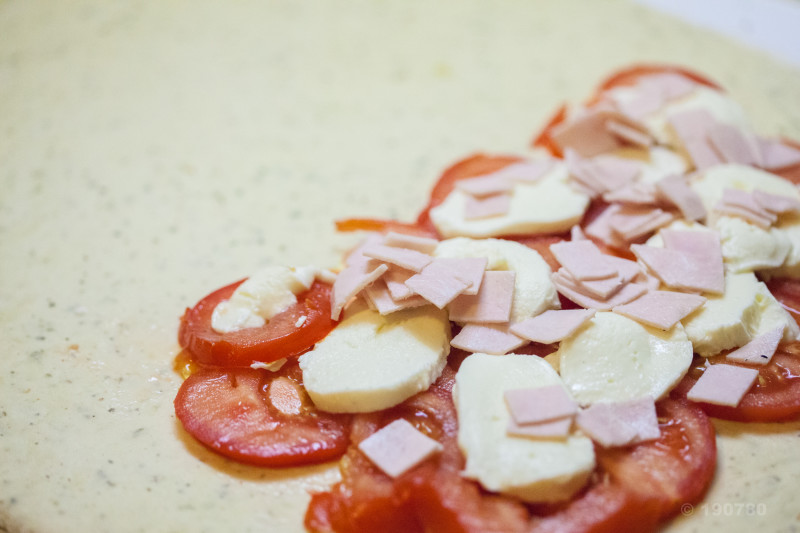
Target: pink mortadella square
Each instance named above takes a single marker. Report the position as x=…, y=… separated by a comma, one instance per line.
x=553, y=325
x=437, y=284
x=491, y=339
x=402, y=257
x=541, y=404
x=723, y=384
x=661, y=309
x=398, y=447
x=620, y=423
x=425, y=245
x=583, y=259
x=492, y=304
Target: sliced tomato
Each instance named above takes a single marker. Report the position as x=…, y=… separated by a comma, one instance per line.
x=470, y=167
x=544, y=139
x=787, y=292
x=673, y=470
x=606, y=507
x=259, y=417
x=280, y=337
x=774, y=397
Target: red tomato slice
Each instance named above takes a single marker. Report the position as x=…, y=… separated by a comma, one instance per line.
x=259, y=417
x=470, y=167
x=545, y=138
x=774, y=397
x=278, y=338
x=606, y=507
x=673, y=470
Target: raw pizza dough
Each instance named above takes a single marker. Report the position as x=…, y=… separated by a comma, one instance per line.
x=153, y=151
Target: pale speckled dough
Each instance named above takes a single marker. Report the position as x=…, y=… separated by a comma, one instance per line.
x=153, y=151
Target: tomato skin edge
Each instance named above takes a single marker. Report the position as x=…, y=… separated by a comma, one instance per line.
x=243, y=348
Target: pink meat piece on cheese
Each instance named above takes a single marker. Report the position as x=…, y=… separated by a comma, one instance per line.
x=402, y=257
x=488, y=206
x=552, y=325
x=352, y=280
x=491, y=339
x=661, y=309
x=541, y=404
x=583, y=259
x=675, y=190
x=491, y=305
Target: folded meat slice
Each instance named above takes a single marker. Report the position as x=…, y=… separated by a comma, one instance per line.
x=351, y=281
x=583, y=260
x=487, y=206
x=675, y=189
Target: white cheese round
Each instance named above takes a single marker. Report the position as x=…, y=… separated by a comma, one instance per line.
x=732, y=319
x=371, y=362
x=534, y=291
x=263, y=295
x=615, y=359
x=532, y=470
x=746, y=247
x=548, y=205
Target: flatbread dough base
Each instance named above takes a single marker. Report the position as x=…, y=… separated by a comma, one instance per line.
x=152, y=152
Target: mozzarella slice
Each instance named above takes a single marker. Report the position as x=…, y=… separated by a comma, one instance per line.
x=733, y=319
x=746, y=247
x=262, y=296
x=711, y=183
x=371, y=362
x=616, y=359
x=534, y=291
x=532, y=470
x=548, y=205
x=790, y=229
